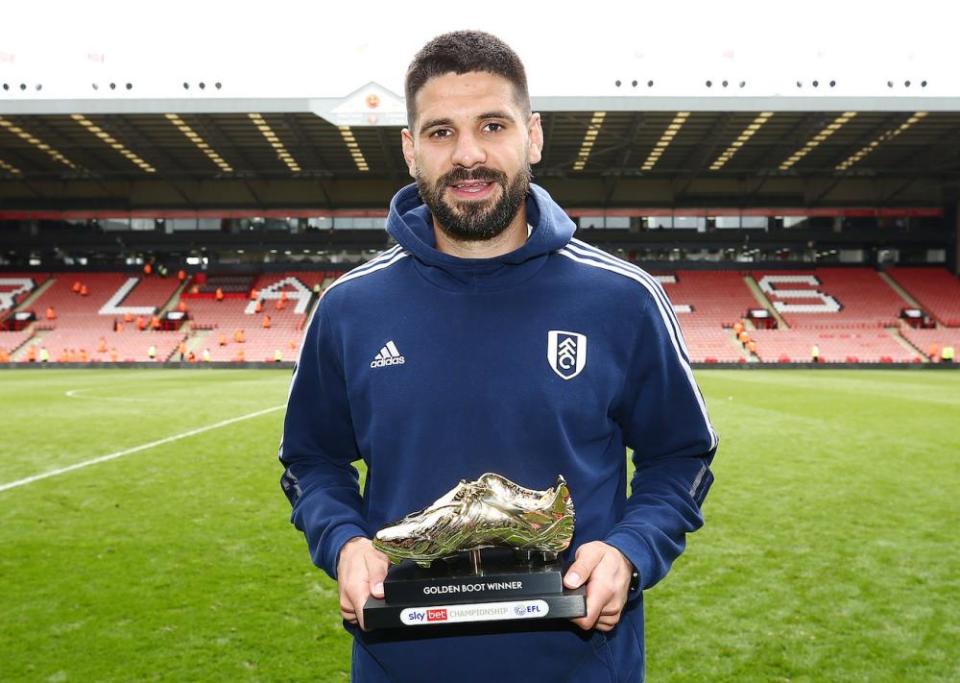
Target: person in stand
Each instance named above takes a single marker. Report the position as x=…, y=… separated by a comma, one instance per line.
x=206, y=355
x=815, y=353
x=51, y=313
x=182, y=350
x=266, y=322
x=218, y=295
x=141, y=323
x=947, y=354
x=152, y=352
x=526, y=353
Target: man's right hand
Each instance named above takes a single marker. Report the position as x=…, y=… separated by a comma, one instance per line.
x=360, y=574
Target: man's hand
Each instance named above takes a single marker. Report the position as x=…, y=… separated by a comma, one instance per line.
x=360, y=574
x=607, y=574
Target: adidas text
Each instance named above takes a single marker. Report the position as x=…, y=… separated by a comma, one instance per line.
x=383, y=362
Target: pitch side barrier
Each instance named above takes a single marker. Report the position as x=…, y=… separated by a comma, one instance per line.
x=288, y=365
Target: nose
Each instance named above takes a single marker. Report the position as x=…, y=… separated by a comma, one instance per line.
x=468, y=151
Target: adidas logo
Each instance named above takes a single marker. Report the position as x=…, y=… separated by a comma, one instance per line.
x=389, y=355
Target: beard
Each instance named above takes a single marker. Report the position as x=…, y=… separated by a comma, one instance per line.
x=473, y=221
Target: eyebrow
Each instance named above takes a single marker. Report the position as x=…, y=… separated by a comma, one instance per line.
x=433, y=123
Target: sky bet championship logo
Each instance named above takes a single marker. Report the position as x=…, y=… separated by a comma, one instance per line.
x=482, y=611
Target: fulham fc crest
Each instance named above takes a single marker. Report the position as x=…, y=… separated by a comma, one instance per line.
x=566, y=352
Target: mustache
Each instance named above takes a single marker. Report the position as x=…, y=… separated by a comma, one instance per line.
x=459, y=175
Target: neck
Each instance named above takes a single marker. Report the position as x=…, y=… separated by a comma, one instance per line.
x=509, y=240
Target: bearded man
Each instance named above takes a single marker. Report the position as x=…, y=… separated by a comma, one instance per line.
x=438, y=361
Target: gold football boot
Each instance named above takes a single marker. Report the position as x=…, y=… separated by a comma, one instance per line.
x=489, y=512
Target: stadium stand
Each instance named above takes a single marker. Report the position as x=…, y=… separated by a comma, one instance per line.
x=931, y=342
x=832, y=297
x=85, y=326
x=707, y=304
x=11, y=341
x=237, y=311
x=935, y=289
x=16, y=287
x=836, y=346
x=850, y=314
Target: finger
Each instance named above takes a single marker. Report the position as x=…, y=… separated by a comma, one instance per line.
x=597, y=600
x=588, y=557
x=606, y=625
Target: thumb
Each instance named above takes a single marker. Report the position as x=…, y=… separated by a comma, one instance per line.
x=376, y=573
x=588, y=557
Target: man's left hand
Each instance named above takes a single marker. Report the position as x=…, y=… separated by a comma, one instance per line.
x=607, y=574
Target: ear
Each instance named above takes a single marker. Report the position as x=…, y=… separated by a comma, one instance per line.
x=406, y=141
x=535, y=132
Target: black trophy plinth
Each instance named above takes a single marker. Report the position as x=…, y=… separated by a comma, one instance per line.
x=493, y=584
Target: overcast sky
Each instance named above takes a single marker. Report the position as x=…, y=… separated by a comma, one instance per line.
x=294, y=47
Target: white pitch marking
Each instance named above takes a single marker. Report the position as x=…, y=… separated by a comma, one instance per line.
x=135, y=449
x=75, y=393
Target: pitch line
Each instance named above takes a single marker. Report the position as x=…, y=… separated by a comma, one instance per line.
x=135, y=449
x=75, y=393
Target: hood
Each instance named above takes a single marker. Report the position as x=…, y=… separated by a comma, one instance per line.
x=411, y=224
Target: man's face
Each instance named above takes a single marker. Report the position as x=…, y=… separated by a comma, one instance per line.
x=470, y=151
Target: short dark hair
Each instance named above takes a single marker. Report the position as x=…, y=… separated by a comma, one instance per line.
x=462, y=52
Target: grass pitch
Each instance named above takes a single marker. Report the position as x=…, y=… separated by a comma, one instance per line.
x=829, y=554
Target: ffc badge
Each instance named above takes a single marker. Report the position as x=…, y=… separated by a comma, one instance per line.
x=566, y=352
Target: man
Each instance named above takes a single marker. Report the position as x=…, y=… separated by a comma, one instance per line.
x=488, y=340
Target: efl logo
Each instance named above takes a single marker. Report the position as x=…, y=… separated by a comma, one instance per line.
x=436, y=615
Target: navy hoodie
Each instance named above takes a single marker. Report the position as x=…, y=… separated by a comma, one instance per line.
x=548, y=360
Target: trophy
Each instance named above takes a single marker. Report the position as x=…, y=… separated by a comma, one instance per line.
x=485, y=551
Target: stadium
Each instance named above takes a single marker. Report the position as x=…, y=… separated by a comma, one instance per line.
x=170, y=220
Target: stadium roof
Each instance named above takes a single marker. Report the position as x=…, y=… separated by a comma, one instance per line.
x=226, y=106
x=297, y=160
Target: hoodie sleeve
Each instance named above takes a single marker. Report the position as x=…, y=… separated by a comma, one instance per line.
x=318, y=448
x=665, y=422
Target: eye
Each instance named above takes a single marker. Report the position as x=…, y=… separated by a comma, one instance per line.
x=493, y=127
x=440, y=133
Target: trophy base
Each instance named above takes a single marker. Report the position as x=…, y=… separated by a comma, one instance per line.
x=493, y=584
x=570, y=604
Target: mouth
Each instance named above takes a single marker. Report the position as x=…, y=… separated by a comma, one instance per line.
x=472, y=189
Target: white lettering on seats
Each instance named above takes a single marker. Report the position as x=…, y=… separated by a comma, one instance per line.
x=672, y=280
x=275, y=291
x=113, y=307
x=827, y=304
x=21, y=285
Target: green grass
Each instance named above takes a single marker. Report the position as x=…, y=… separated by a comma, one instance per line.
x=830, y=552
